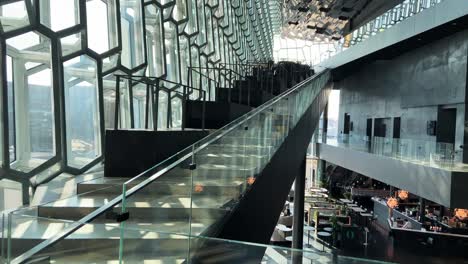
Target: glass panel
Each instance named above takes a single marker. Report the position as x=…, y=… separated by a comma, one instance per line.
x=184, y=58
x=14, y=15
x=139, y=105
x=91, y=243
x=11, y=112
x=110, y=63
x=154, y=41
x=67, y=17
x=180, y=10
x=176, y=112
x=102, y=25
x=109, y=83
x=172, y=51
x=192, y=25
x=201, y=40
x=131, y=18
x=146, y=245
x=28, y=227
x=165, y=203
x=81, y=109
x=71, y=44
x=31, y=97
x=162, y=110
x=199, y=249
x=429, y=153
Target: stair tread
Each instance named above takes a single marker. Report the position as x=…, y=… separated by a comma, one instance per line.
x=45, y=228
x=143, y=201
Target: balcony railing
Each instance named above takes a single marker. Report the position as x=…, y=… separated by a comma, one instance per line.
x=423, y=152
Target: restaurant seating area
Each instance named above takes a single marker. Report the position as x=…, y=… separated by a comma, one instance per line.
x=332, y=223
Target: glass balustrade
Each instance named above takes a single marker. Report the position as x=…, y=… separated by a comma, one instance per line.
x=145, y=245
x=428, y=153
x=189, y=194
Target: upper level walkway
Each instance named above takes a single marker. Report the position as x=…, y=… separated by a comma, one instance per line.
x=427, y=169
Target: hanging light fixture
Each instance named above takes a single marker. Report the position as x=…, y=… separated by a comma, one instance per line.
x=392, y=202
x=198, y=188
x=250, y=180
x=403, y=195
x=461, y=214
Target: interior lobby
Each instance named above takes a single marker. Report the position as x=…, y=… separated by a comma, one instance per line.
x=233, y=131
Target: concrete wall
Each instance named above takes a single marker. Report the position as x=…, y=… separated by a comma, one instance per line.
x=410, y=86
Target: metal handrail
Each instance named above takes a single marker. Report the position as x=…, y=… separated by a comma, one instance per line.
x=207, y=140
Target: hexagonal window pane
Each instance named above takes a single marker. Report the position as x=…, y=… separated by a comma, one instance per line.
x=81, y=110
x=14, y=16
x=102, y=25
x=30, y=101
x=51, y=17
x=133, y=48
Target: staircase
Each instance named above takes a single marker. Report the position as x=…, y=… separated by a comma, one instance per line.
x=153, y=217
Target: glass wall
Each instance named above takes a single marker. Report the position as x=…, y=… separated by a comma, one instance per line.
x=58, y=67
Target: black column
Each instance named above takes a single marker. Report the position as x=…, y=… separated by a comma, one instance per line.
x=464, y=147
x=298, y=225
x=422, y=209
x=325, y=119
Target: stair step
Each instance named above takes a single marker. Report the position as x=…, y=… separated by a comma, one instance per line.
x=41, y=229
x=141, y=207
x=163, y=186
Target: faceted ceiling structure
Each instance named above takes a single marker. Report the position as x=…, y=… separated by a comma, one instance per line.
x=326, y=19
x=59, y=60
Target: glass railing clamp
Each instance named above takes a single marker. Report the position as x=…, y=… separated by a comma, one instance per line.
x=122, y=217
x=118, y=217
x=193, y=166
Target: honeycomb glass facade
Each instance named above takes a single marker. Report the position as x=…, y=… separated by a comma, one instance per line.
x=59, y=60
